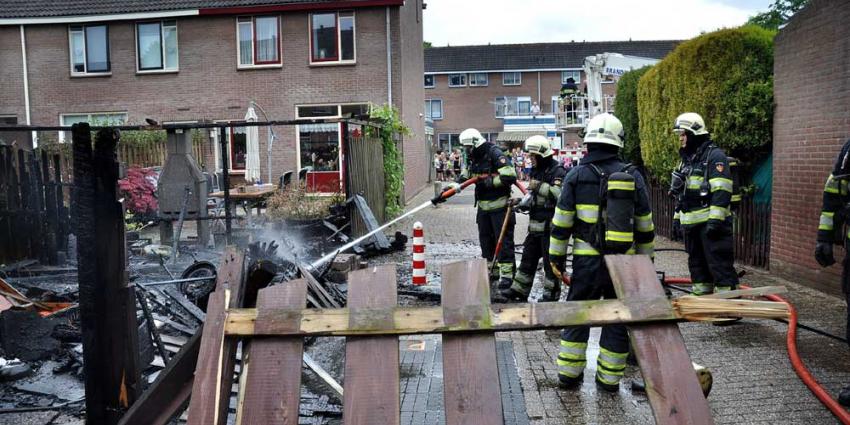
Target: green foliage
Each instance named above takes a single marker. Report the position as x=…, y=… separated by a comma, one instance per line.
x=625, y=108
x=426, y=45
x=391, y=126
x=779, y=13
x=727, y=77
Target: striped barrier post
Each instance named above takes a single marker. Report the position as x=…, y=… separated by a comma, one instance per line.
x=419, y=276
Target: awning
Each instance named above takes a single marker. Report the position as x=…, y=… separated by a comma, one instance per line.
x=517, y=136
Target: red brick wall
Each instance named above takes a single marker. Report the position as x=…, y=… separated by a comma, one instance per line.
x=11, y=77
x=417, y=158
x=811, y=123
x=208, y=85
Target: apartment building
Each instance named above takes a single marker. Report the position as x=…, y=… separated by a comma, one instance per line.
x=495, y=88
x=192, y=60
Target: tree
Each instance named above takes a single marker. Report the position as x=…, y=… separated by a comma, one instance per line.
x=778, y=14
x=426, y=45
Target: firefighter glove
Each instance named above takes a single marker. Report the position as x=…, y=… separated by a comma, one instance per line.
x=715, y=229
x=823, y=254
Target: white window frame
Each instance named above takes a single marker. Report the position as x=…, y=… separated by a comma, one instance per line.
x=433, y=81
x=339, y=60
x=464, y=76
x=473, y=83
x=63, y=136
x=162, y=48
x=85, y=52
x=513, y=113
x=253, y=64
x=429, y=109
x=576, y=74
x=555, y=100
x=517, y=80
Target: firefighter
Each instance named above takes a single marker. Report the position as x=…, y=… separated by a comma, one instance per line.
x=604, y=206
x=834, y=212
x=544, y=188
x=703, y=186
x=492, y=193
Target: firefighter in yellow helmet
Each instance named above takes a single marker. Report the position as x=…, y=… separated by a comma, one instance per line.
x=544, y=188
x=703, y=186
x=492, y=193
x=604, y=206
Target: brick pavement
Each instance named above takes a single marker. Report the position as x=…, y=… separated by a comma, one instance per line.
x=753, y=378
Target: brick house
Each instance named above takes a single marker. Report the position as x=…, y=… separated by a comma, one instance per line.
x=485, y=87
x=191, y=60
x=812, y=95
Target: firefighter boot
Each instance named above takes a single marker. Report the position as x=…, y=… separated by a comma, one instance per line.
x=511, y=295
x=844, y=396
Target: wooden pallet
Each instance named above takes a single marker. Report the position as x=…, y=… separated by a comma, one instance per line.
x=372, y=323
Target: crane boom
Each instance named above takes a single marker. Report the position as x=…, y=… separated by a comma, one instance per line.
x=614, y=64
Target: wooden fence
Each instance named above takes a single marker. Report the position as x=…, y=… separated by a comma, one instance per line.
x=153, y=154
x=34, y=213
x=366, y=176
x=751, y=226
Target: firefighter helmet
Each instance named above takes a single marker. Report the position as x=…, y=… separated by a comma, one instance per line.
x=538, y=145
x=692, y=122
x=471, y=137
x=605, y=128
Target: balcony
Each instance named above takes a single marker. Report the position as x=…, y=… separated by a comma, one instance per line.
x=575, y=112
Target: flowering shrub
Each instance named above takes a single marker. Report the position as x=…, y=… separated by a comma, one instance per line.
x=139, y=190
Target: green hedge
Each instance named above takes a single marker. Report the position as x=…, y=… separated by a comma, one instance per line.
x=625, y=108
x=727, y=77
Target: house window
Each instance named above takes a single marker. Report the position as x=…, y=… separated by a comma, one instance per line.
x=555, y=100
x=434, y=109
x=575, y=75
x=258, y=40
x=89, y=49
x=507, y=106
x=511, y=78
x=156, y=46
x=448, y=141
x=457, y=80
x=95, y=119
x=332, y=37
x=429, y=81
x=478, y=79
x=238, y=148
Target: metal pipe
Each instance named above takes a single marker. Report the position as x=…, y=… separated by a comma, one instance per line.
x=225, y=174
x=389, y=61
x=34, y=135
x=173, y=281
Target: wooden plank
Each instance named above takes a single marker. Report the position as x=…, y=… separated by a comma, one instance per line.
x=672, y=386
x=470, y=374
x=273, y=374
x=371, y=386
x=206, y=388
x=425, y=320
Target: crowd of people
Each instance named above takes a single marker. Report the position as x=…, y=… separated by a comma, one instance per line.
x=447, y=166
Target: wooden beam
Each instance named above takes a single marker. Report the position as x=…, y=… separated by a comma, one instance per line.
x=471, y=387
x=371, y=387
x=506, y=317
x=206, y=388
x=672, y=386
x=272, y=379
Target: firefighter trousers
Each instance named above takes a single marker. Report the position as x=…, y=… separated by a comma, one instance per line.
x=489, y=228
x=535, y=247
x=591, y=281
x=711, y=262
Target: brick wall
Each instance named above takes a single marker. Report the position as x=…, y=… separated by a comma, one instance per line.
x=208, y=85
x=417, y=158
x=811, y=123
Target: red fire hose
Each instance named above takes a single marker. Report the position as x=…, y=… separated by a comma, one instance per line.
x=796, y=362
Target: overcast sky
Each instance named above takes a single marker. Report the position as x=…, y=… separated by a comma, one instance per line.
x=465, y=22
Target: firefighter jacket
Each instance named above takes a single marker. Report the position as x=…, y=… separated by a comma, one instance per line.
x=578, y=211
x=488, y=160
x=835, y=198
x=545, y=196
x=707, y=192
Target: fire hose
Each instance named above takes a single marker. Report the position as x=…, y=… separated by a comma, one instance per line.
x=796, y=361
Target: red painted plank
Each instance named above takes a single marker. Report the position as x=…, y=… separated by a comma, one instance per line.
x=371, y=387
x=273, y=371
x=671, y=383
x=470, y=373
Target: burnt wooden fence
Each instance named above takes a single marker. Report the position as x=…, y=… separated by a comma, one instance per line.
x=751, y=226
x=366, y=175
x=34, y=214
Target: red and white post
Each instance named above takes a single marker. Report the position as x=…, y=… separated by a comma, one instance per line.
x=419, y=276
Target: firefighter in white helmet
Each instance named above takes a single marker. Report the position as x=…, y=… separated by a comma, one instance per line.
x=492, y=192
x=604, y=206
x=544, y=188
x=702, y=185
